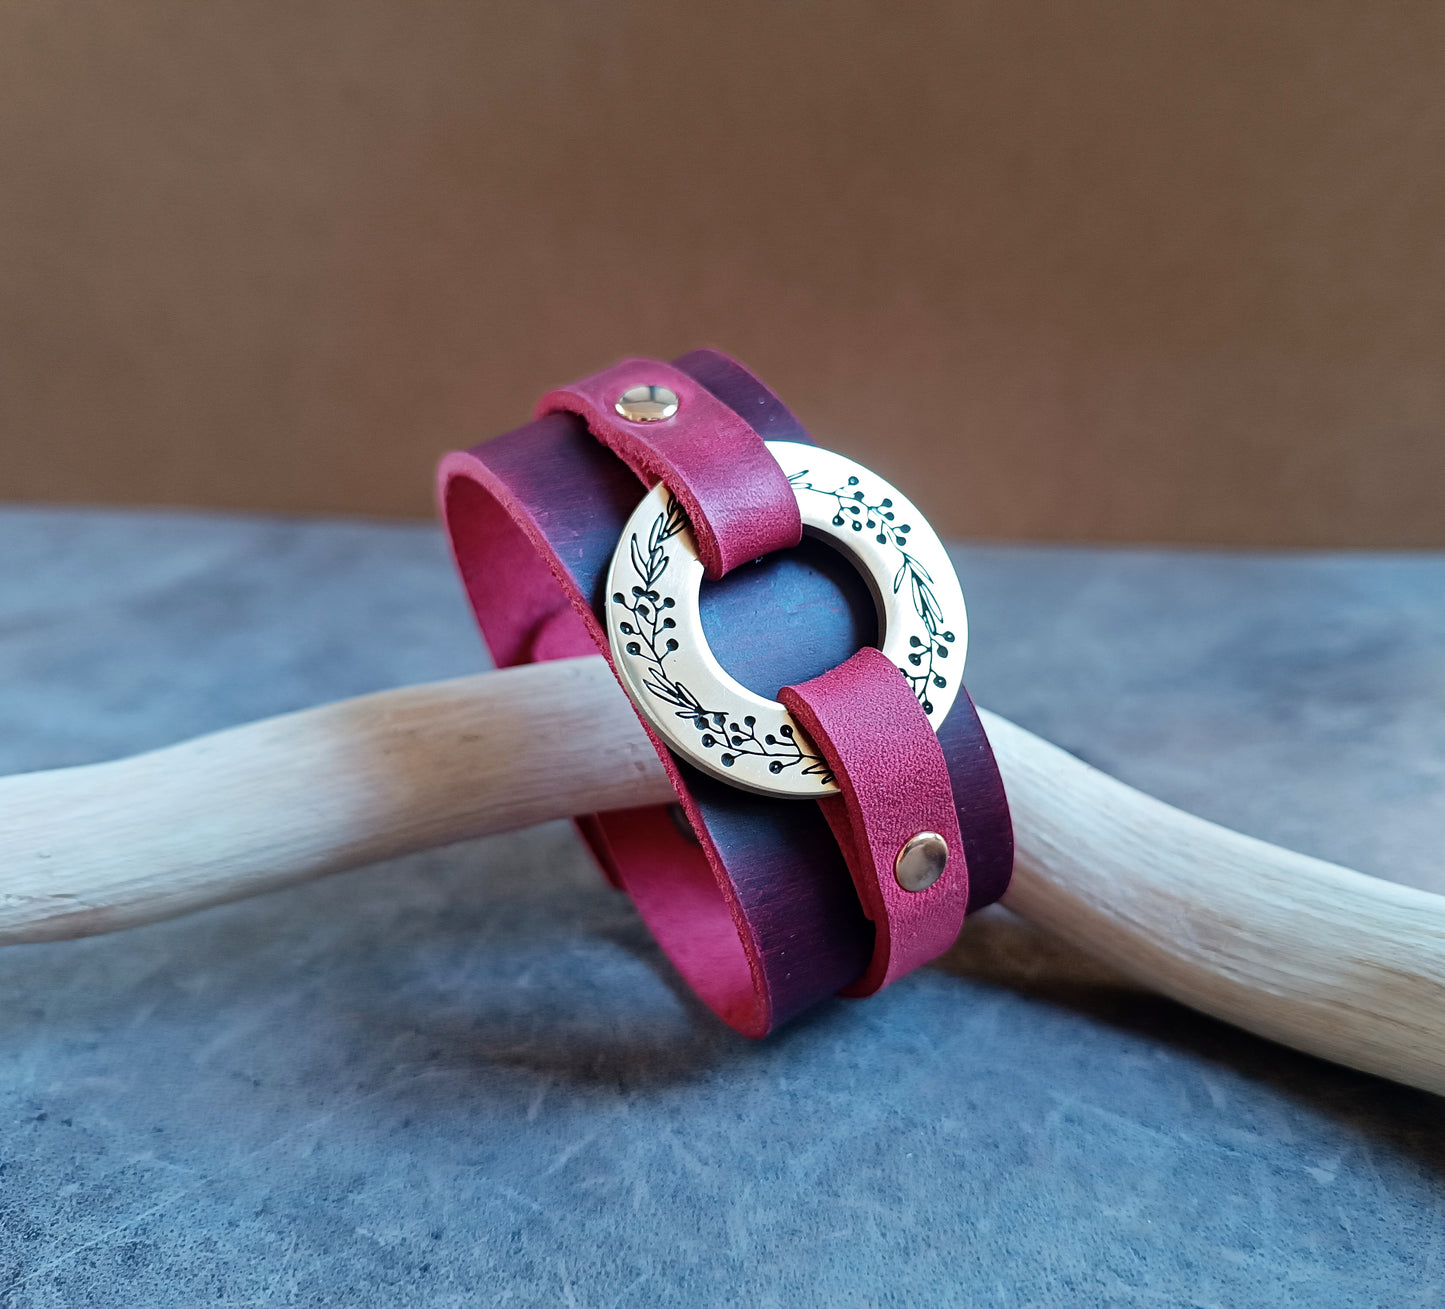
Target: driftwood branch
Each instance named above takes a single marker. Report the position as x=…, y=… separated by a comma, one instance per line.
x=1319, y=957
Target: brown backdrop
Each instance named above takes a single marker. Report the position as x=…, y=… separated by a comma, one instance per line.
x=1152, y=271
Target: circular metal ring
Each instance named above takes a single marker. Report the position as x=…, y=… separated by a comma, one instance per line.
x=709, y=718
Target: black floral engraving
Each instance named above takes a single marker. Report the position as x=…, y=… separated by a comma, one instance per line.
x=879, y=520
x=649, y=629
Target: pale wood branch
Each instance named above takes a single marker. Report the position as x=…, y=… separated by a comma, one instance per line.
x=1313, y=955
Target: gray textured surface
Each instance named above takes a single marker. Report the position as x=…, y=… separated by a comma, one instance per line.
x=466, y=1078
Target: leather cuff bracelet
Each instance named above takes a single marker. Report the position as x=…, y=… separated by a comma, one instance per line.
x=839, y=809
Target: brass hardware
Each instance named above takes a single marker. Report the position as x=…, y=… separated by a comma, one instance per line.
x=921, y=861
x=647, y=404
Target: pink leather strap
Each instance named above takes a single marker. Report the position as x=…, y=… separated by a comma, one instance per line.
x=894, y=785
x=740, y=504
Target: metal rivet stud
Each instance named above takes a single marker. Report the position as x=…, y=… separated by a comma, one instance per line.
x=647, y=404
x=921, y=861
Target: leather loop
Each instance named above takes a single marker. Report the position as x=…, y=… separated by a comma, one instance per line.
x=867, y=723
x=738, y=501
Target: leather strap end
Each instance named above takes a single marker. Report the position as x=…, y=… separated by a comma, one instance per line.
x=894, y=786
x=739, y=503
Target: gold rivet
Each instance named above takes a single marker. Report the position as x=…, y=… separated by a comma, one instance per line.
x=921, y=861
x=647, y=404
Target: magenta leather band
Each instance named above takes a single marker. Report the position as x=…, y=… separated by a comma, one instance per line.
x=750, y=897
x=738, y=501
x=869, y=725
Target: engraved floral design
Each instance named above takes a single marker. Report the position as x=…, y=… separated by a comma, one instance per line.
x=649, y=629
x=855, y=509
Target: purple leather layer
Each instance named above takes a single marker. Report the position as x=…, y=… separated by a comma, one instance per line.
x=871, y=729
x=754, y=903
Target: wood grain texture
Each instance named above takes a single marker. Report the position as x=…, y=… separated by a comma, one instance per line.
x=107, y=846
x=1305, y=952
